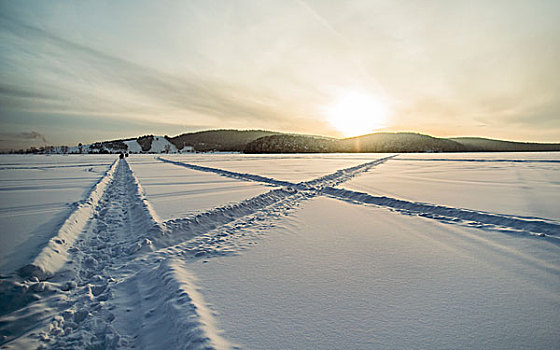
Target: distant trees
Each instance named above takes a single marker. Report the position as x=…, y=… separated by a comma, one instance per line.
x=260, y=141
x=218, y=140
x=292, y=144
x=388, y=143
x=378, y=143
x=145, y=142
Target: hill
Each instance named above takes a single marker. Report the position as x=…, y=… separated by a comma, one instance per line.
x=142, y=144
x=219, y=140
x=262, y=141
x=478, y=144
x=284, y=143
x=377, y=142
x=402, y=142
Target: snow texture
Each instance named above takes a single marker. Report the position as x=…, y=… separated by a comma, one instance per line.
x=505, y=183
x=37, y=194
x=177, y=192
x=232, y=251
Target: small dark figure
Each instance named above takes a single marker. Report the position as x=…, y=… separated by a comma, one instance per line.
x=126, y=154
x=121, y=155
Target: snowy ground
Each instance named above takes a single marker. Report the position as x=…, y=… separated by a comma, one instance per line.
x=518, y=184
x=222, y=251
x=37, y=194
x=169, y=187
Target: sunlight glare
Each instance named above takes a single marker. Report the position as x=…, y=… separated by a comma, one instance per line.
x=357, y=113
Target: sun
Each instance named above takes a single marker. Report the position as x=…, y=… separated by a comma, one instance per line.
x=357, y=113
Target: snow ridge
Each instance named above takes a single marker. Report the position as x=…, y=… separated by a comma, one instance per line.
x=176, y=309
x=178, y=230
x=450, y=214
x=53, y=256
x=343, y=175
x=149, y=219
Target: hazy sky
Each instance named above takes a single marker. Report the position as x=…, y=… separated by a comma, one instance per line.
x=93, y=70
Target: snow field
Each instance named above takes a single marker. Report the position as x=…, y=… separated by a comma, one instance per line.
x=339, y=275
x=496, y=185
x=178, y=192
x=284, y=167
x=207, y=251
x=37, y=193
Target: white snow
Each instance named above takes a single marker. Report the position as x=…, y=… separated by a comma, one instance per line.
x=288, y=167
x=336, y=276
x=479, y=181
x=37, y=194
x=221, y=251
x=160, y=145
x=177, y=192
x=133, y=146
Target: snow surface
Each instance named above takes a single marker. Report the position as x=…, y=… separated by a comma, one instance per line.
x=221, y=251
x=133, y=146
x=160, y=143
x=337, y=276
x=514, y=184
x=37, y=193
x=177, y=192
x=288, y=167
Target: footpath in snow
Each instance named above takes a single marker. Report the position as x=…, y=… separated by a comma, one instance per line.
x=96, y=289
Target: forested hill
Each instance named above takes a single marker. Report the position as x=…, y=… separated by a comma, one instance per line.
x=262, y=141
x=478, y=144
x=389, y=142
x=219, y=140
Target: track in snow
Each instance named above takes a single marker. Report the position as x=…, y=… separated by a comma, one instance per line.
x=112, y=262
x=326, y=186
x=114, y=275
x=86, y=298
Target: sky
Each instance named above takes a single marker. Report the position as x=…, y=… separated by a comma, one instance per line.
x=84, y=71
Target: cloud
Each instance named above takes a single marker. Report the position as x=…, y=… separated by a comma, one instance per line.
x=22, y=136
x=33, y=135
x=275, y=65
x=92, y=81
x=10, y=91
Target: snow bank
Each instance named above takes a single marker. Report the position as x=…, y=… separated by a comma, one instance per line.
x=37, y=194
x=179, y=230
x=54, y=255
x=176, y=313
x=148, y=219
